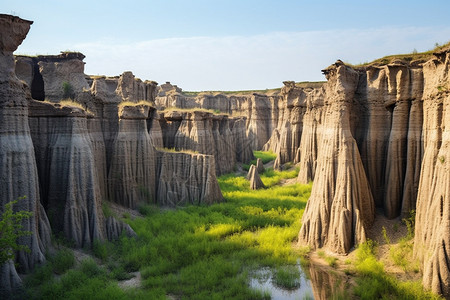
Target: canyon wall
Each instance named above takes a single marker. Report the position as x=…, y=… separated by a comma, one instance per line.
x=91, y=141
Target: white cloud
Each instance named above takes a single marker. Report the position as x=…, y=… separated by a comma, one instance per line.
x=252, y=62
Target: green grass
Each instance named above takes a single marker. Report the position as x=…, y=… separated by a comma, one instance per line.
x=374, y=283
x=287, y=277
x=195, y=252
x=408, y=57
x=266, y=156
x=63, y=260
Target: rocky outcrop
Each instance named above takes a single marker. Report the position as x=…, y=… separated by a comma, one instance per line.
x=255, y=181
x=18, y=172
x=259, y=166
x=243, y=148
x=186, y=178
x=131, y=178
x=207, y=133
x=68, y=175
x=341, y=206
x=432, y=230
x=115, y=228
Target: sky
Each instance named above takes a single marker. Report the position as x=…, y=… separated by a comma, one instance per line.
x=229, y=45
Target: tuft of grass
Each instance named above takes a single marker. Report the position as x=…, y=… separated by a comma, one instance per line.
x=191, y=110
x=134, y=104
x=63, y=260
x=387, y=240
x=421, y=56
x=265, y=156
x=332, y=261
x=287, y=277
x=173, y=150
x=374, y=283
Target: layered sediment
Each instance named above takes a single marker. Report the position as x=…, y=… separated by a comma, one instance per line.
x=18, y=171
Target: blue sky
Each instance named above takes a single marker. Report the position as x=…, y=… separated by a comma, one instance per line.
x=229, y=45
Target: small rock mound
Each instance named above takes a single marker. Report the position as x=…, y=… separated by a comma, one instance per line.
x=259, y=166
x=255, y=180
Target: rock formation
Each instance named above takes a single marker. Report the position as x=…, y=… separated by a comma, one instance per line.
x=186, y=178
x=259, y=166
x=432, y=231
x=69, y=184
x=341, y=207
x=255, y=180
x=131, y=178
x=18, y=172
x=207, y=133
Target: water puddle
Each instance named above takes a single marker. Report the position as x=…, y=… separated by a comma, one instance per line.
x=310, y=282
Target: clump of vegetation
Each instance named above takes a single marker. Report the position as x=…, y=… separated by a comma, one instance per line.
x=409, y=57
x=134, y=104
x=173, y=150
x=387, y=240
x=265, y=156
x=287, y=277
x=212, y=111
x=68, y=91
x=63, y=260
x=10, y=230
x=374, y=283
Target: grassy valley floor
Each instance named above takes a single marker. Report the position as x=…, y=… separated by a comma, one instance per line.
x=213, y=252
x=193, y=252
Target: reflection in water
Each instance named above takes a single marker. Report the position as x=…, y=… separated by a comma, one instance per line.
x=316, y=283
x=326, y=283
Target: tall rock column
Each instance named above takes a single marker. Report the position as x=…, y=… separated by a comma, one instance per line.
x=18, y=172
x=432, y=230
x=341, y=206
x=68, y=170
x=131, y=178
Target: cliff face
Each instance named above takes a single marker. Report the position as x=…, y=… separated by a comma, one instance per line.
x=98, y=146
x=341, y=206
x=207, y=133
x=70, y=187
x=18, y=171
x=432, y=231
x=131, y=177
x=381, y=134
x=186, y=178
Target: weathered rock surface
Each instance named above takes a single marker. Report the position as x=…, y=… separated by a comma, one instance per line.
x=207, y=133
x=259, y=166
x=242, y=144
x=186, y=178
x=18, y=172
x=432, y=231
x=70, y=186
x=255, y=180
x=341, y=206
x=115, y=228
x=131, y=178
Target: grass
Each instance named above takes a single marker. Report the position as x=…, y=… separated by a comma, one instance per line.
x=287, y=277
x=173, y=150
x=62, y=261
x=191, y=110
x=265, y=156
x=199, y=252
x=133, y=104
x=374, y=283
x=426, y=55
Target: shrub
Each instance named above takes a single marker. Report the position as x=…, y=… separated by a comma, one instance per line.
x=11, y=230
x=63, y=260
